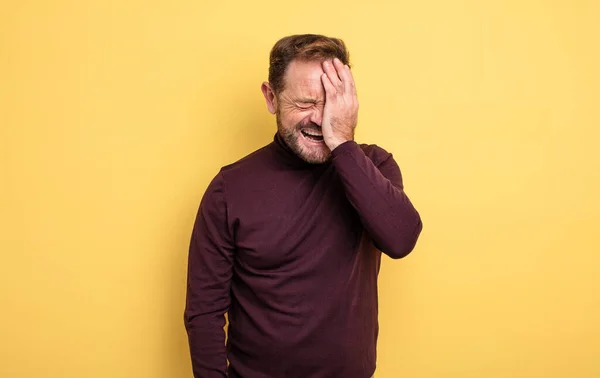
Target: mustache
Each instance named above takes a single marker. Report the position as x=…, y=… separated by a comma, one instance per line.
x=309, y=126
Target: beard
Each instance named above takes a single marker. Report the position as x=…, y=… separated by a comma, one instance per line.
x=291, y=136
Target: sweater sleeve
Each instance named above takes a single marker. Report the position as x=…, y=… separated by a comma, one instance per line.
x=210, y=262
x=378, y=196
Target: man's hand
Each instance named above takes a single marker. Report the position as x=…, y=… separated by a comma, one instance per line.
x=340, y=114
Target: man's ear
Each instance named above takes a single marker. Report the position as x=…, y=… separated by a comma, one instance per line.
x=270, y=97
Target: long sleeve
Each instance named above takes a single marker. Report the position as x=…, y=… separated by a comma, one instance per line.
x=210, y=263
x=377, y=194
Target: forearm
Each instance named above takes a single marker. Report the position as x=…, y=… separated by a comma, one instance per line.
x=210, y=271
x=207, y=345
x=385, y=210
x=204, y=317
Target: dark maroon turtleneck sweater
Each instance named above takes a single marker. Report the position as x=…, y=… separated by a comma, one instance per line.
x=291, y=251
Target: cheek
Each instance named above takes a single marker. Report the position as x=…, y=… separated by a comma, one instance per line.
x=292, y=119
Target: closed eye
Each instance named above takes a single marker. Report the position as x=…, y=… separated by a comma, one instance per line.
x=308, y=103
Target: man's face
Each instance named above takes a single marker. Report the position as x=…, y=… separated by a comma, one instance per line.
x=299, y=110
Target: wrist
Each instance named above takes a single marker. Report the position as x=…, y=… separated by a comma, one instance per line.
x=335, y=143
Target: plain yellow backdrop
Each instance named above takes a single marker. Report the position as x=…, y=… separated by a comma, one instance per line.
x=115, y=115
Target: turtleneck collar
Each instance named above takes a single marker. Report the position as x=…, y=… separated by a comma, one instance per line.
x=289, y=157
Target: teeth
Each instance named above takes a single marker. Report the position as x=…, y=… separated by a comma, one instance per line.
x=311, y=133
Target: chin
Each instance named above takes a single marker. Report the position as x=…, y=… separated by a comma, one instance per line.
x=314, y=155
x=313, y=152
x=314, y=158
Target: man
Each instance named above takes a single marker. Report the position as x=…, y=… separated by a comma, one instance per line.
x=288, y=240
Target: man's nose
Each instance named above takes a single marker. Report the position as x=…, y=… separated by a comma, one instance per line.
x=317, y=117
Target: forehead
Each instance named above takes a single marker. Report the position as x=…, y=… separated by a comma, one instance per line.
x=303, y=78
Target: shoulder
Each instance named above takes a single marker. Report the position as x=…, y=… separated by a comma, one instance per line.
x=250, y=161
x=377, y=154
x=235, y=175
x=247, y=172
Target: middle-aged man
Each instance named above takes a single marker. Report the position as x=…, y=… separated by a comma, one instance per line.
x=288, y=240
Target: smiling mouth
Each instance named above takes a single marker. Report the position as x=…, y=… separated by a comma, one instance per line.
x=312, y=136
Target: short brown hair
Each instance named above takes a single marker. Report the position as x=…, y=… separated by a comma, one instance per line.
x=304, y=47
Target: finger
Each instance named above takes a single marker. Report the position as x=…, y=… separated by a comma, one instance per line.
x=329, y=87
x=340, y=69
x=331, y=72
x=350, y=80
x=346, y=76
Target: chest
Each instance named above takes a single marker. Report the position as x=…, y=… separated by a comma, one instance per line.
x=296, y=220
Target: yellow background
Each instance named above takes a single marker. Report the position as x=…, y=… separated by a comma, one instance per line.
x=116, y=114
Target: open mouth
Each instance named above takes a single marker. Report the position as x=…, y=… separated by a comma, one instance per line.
x=312, y=135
